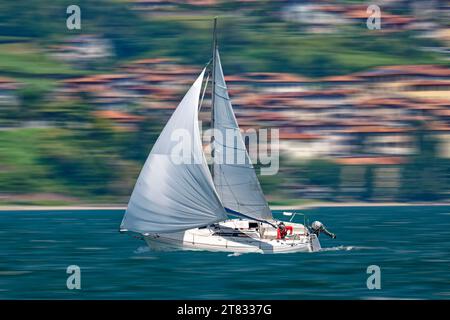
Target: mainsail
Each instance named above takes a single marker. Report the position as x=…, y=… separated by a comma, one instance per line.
x=170, y=196
x=235, y=180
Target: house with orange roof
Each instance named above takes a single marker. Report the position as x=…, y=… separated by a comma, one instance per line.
x=82, y=48
x=8, y=85
x=302, y=145
x=121, y=120
x=8, y=92
x=318, y=17
x=427, y=89
x=404, y=72
x=276, y=81
x=348, y=80
x=389, y=22
x=365, y=161
x=159, y=6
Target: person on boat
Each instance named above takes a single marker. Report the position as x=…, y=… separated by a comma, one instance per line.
x=318, y=228
x=282, y=230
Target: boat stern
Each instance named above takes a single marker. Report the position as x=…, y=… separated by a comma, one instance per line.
x=314, y=243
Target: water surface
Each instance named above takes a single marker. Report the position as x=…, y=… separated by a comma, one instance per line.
x=411, y=245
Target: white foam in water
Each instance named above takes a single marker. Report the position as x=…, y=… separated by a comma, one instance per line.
x=338, y=248
x=146, y=249
x=142, y=249
x=234, y=254
x=347, y=248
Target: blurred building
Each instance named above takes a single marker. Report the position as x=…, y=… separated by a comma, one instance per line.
x=83, y=48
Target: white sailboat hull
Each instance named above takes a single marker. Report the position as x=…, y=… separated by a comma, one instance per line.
x=237, y=237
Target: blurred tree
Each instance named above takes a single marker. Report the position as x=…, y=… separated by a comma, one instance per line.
x=73, y=111
x=322, y=65
x=369, y=178
x=425, y=176
x=81, y=165
x=29, y=100
x=320, y=173
x=136, y=145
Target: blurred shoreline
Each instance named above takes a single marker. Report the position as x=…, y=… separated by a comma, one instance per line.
x=353, y=111
x=274, y=207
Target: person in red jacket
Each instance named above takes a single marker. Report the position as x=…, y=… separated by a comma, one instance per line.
x=282, y=230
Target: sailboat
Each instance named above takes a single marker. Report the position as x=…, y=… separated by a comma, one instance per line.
x=186, y=205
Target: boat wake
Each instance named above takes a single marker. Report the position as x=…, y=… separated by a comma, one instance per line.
x=142, y=249
x=342, y=248
x=234, y=254
x=147, y=249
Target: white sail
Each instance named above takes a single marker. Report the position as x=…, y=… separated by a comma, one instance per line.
x=236, y=183
x=170, y=196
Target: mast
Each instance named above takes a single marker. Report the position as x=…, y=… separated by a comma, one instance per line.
x=213, y=87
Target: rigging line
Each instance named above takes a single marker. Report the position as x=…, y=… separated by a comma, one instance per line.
x=233, y=148
x=247, y=166
x=228, y=127
x=220, y=96
x=209, y=62
x=234, y=184
x=204, y=91
x=233, y=212
x=221, y=87
x=249, y=205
